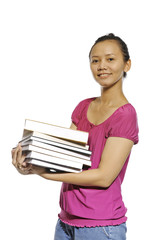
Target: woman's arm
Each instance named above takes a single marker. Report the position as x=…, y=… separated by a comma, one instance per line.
x=113, y=158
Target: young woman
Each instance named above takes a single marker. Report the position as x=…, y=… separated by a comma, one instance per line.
x=91, y=201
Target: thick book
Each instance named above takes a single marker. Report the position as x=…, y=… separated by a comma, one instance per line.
x=54, y=160
x=55, y=154
x=32, y=135
x=53, y=167
x=54, y=148
x=56, y=131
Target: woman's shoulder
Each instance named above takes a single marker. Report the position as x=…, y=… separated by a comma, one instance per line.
x=124, y=123
x=125, y=115
x=85, y=102
x=127, y=109
x=80, y=109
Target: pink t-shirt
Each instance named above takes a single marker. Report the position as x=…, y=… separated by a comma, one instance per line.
x=96, y=206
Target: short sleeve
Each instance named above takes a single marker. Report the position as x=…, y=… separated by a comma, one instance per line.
x=77, y=113
x=125, y=124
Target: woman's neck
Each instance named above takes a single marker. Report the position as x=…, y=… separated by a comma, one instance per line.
x=113, y=96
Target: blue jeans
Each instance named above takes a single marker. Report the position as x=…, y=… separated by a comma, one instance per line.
x=66, y=232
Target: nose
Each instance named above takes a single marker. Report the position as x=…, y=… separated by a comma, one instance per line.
x=102, y=65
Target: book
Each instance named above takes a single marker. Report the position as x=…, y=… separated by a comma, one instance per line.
x=52, y=147
x=54, y=160
x=33, y=135
x=57, y=154
x=57, y=148
x=56, y=131
x=53, y=167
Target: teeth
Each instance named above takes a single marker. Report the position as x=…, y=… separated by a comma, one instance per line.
x=103, y=74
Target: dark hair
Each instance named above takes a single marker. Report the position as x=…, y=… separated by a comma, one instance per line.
x=121, y=43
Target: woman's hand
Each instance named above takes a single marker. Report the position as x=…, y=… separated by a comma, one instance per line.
x=22, y=166
x=18, y=161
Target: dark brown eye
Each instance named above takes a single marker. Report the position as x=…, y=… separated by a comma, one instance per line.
x=94, y=61
x=110, y=59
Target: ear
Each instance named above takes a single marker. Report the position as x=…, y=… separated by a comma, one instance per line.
x=127, y=66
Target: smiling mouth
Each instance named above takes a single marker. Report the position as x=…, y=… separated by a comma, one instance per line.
x=103, y=74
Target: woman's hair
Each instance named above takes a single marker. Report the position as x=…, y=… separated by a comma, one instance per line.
x=121, y=43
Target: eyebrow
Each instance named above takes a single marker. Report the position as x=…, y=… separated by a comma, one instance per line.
x=105, y=55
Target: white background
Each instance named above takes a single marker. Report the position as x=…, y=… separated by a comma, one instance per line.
x=44, y=73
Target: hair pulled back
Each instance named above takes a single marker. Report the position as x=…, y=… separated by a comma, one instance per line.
x=121, y=43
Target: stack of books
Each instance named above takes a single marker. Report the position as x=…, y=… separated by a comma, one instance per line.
x=57, y=148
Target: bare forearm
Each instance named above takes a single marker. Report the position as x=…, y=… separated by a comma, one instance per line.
x=86, y=178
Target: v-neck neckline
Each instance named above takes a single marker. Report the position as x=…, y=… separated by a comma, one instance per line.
x=96, y=125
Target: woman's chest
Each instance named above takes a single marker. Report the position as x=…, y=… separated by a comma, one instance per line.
x=99, y=114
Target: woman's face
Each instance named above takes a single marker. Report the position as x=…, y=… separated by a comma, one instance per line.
x=107, y=63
